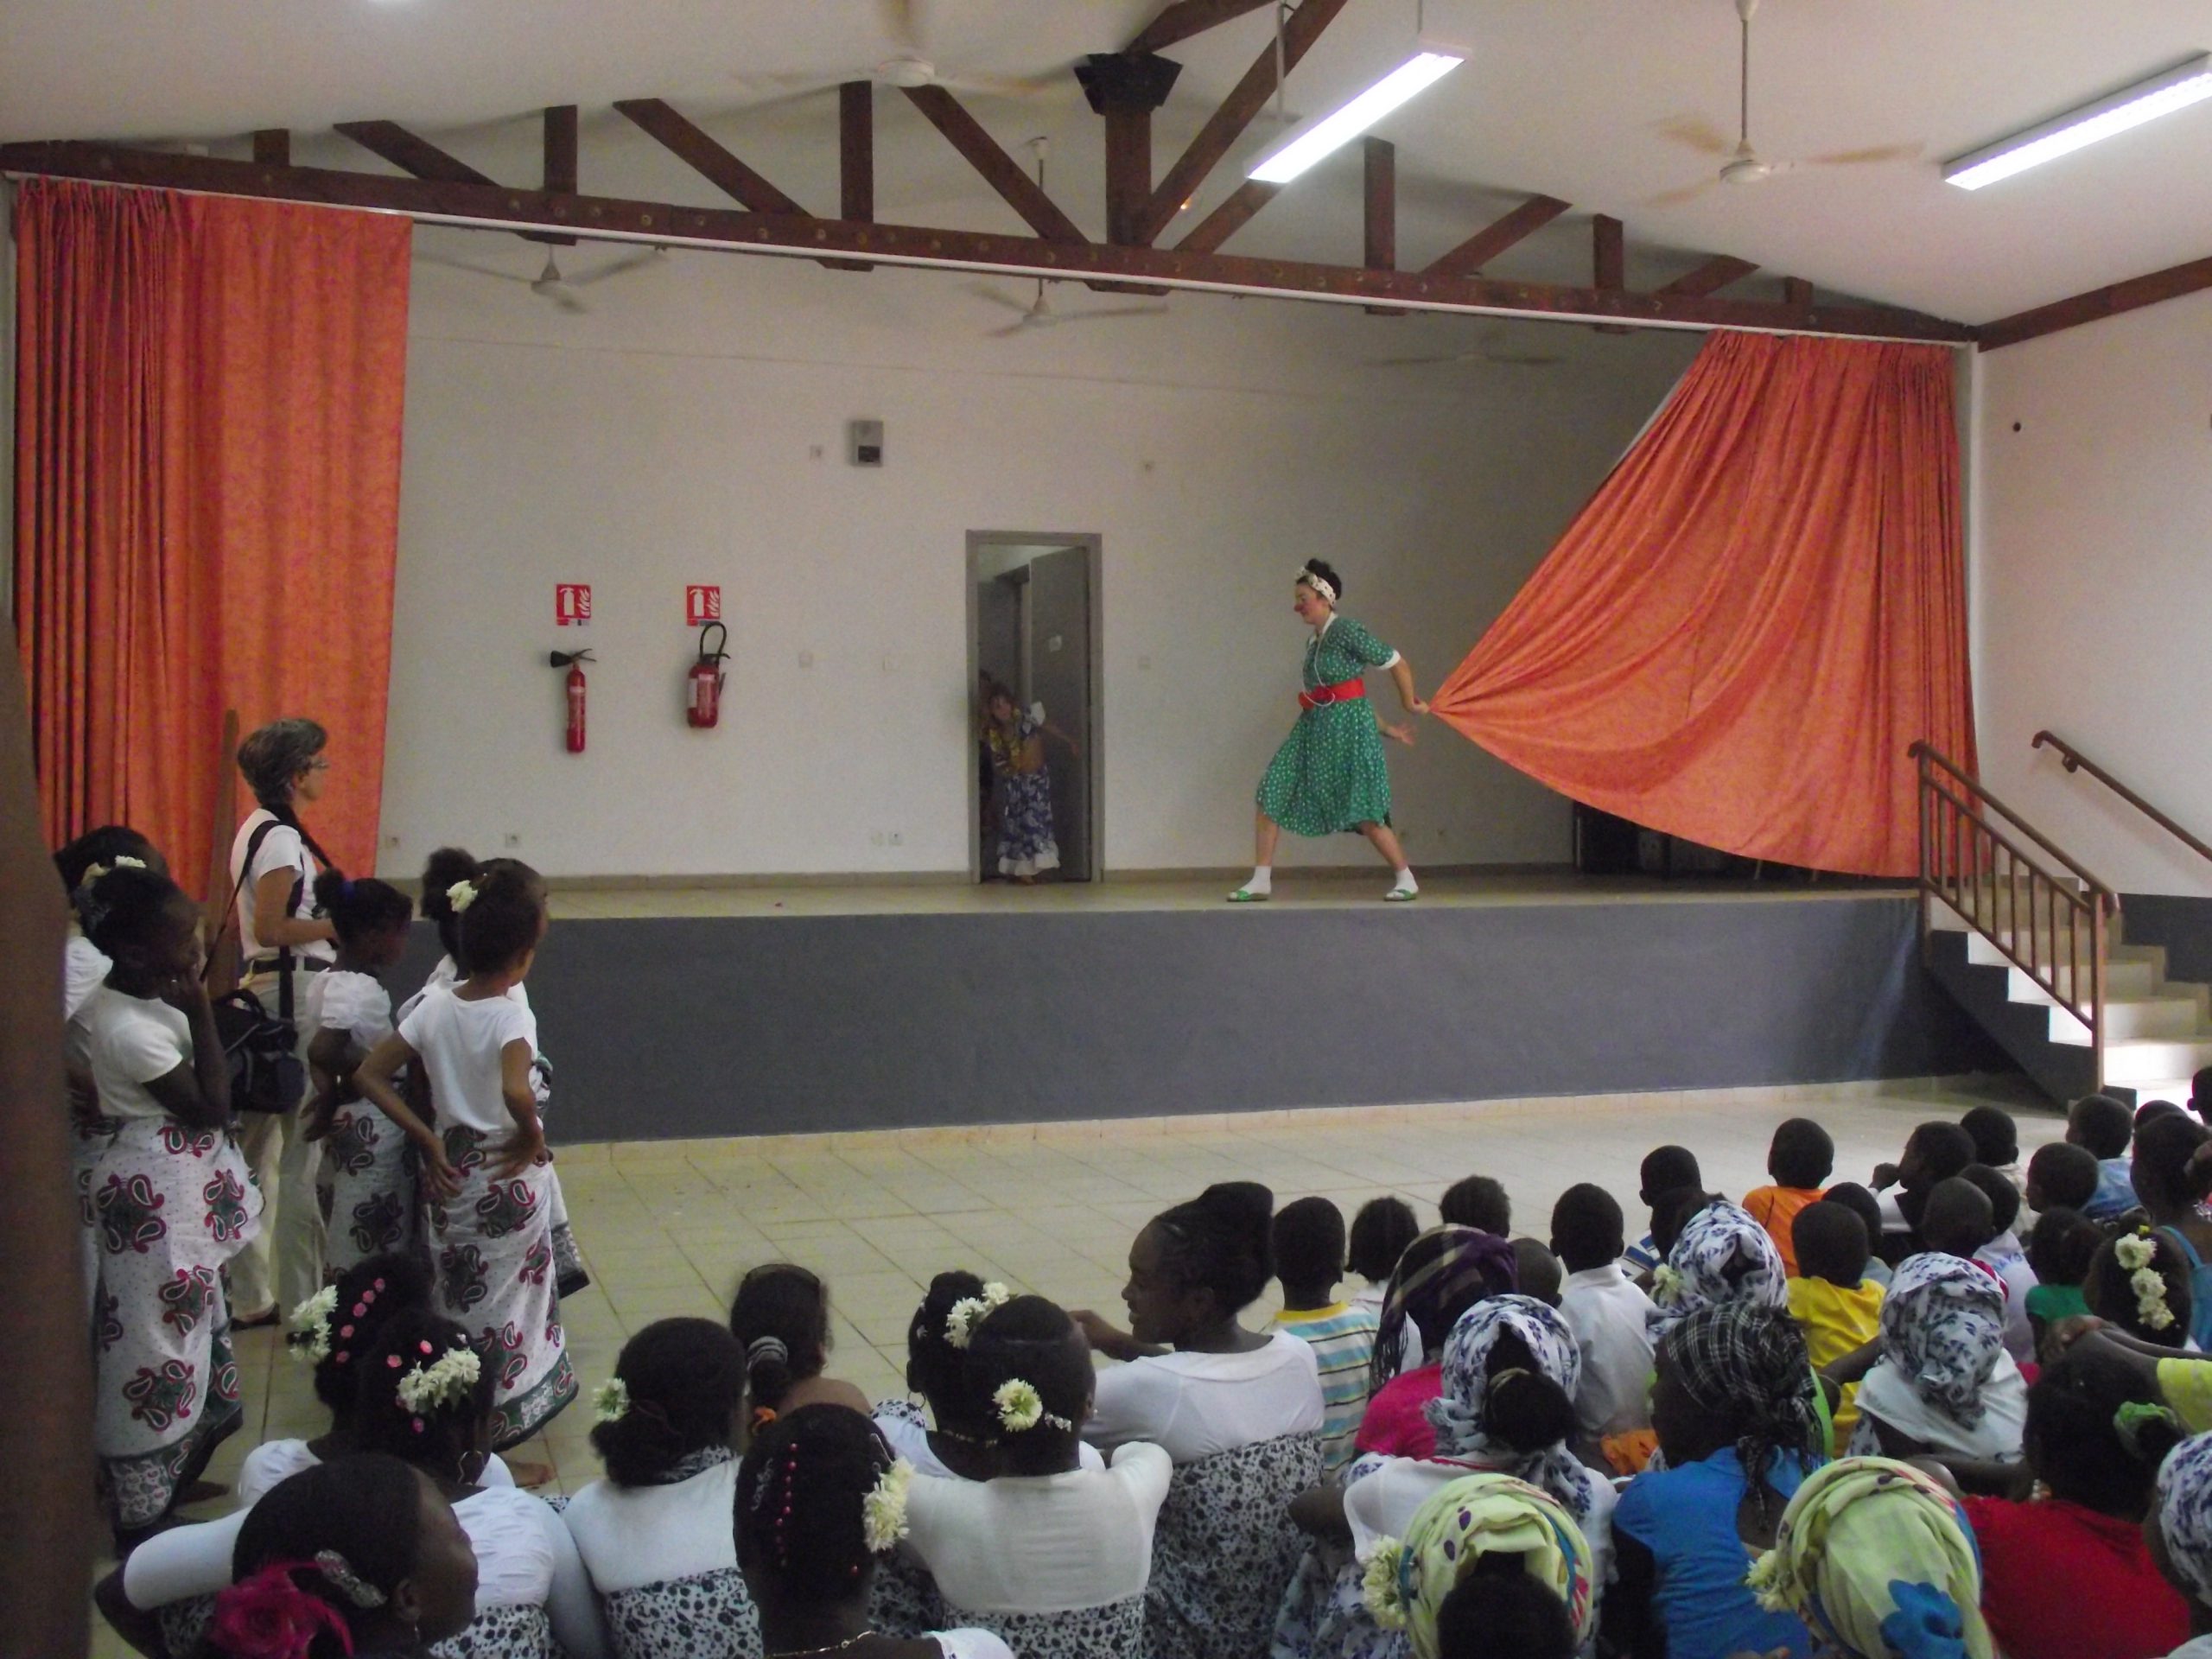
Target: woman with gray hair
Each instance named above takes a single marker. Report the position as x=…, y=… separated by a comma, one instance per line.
x=273, y=861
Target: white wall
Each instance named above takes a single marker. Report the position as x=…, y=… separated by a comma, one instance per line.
x=2092, y=587
x=690, y=427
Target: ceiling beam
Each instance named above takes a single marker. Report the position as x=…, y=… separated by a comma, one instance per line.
x=1226, y=124
x=999, y=170
x=496, y=207
x=1218, y=226
x=1188, y=17
x=411, y=154
x=272, y=147
x=2097, y=304
x=1710, y=277
x=857, y=151
x=705, y=156
x=1796, y=292
x=561, y=151
x=1608, y=261
x=1379, y=210
x=1485, y=245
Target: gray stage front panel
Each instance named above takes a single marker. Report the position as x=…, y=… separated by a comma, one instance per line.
x=685, y=1027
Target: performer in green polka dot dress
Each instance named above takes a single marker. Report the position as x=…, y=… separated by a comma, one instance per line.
x=1329, y=776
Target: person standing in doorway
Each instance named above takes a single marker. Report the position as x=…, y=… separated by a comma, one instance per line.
x=1015, y=738
x=1329, y=775
x=283, y=938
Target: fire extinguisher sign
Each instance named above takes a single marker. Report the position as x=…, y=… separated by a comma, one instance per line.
x=572, y=604
x=702, y=605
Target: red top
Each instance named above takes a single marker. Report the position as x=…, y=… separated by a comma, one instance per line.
x=2059, y=1581
x=1395, y=1424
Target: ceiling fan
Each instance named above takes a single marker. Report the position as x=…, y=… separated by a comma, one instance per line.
x=1743, y=164
x=1039, y=313
x=908, y=65
x=551, y=283
x=1488, y=349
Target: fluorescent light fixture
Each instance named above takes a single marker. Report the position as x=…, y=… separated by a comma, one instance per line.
x=1333, y=132
x=2146, y=100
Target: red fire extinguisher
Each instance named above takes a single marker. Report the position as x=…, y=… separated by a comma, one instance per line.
x=574, y=661
x=704, y=684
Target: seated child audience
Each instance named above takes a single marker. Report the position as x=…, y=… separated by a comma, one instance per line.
x=1309, y=1254
x=1877, y=1559
x=1380, y=1233
x=1996, y=1141
x=1959, y=1219
x=365, y=1549
x=1537, y=1271
x=819, y=1499
x=655, y=1533
x=1052, y=1556
x=1735, y=1407
x=2006, y=1256
x=1478, y=1202
x=1800, y=1159
x=1722, y=1255
x=1836, y=1305
x=1862, y=1203
x=1488, y=1568
x=1442, y=1274
x=1934, y=1152
x=1941, y=1383
x=2200, y=1095
x=2138, y=1282
x=1607, y=1313
x=2060, y=1176
x=2066, y=1574
x=2171, y=1192
x=2060, y=1249
x=780, y=1316
x=2179, y=1533
x=2102, y=1126
x=1665, y=1169
x=951, y=1440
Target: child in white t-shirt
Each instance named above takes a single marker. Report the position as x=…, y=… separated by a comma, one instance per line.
x=484, y=1168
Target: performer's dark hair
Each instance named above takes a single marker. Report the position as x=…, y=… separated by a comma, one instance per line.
x=1327, y=572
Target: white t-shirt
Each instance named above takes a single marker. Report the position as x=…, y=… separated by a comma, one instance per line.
x=630, y=1536
x=275, y=1461
x=282, y=848
x=525, y=1558
x=1606, y=1313
x=2003, y=1256
x=84, y=971
x=1382, y=1504
x=356, y=1004
x=461, y=1043
x=911, y=1441
x=129, y=1041
x=1042, y=1543
x=1194, y=1405
x=971, y=1644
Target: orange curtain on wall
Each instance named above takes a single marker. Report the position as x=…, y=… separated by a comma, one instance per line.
x=208, y=399
x=1761, y=608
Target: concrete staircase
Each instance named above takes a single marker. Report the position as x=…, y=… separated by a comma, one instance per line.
x=2158, y=1031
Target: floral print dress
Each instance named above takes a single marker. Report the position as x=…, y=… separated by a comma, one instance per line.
x=1329, y=775
x=1027, y=842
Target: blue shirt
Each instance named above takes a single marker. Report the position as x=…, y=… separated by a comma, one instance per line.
x=2115, y=1193
x=1687, y=1518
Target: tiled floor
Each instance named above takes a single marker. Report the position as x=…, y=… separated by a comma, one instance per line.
x=667, y=1227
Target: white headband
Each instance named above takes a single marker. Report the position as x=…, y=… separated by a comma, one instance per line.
x=1319, y=584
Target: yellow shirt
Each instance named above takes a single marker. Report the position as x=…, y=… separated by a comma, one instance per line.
x=2187, y=1384
x=1837, y=1322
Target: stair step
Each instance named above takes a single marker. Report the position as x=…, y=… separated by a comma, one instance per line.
x=2172, y=1015
x=2148, y=1060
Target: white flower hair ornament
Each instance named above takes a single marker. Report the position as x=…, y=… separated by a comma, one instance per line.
x=123, y=861
x=1381, y=1587
x=2136, y=1254
x=308, y=1340
x=461, y=896
x=1666, y=1284
x=446, y=1380
x=1020, y=1408
x=610, y=1401
x=964, y=1315
x=883, y=1511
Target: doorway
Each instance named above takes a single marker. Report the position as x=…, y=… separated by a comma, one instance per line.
x=1032, y=627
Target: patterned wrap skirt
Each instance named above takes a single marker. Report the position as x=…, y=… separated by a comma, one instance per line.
x=173, y=1205
x=374, y=1208
x=491, y=1251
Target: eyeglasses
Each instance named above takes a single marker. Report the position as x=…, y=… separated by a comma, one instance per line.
x=316, y=765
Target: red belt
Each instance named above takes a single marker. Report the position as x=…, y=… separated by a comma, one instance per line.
x=1342, y=691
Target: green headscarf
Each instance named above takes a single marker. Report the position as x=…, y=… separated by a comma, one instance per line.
x=1477, y=1515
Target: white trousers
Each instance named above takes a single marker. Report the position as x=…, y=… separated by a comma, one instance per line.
x=283, y=1264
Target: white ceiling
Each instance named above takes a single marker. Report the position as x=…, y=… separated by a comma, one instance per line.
x=1565, y=97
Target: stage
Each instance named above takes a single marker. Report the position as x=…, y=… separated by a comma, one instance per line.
x=752, y=1009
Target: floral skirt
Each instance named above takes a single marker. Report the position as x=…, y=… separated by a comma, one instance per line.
x=492, y=1250
x=1225, y=1550
x=373, y=1207
x=173, y=1205
x=1026, y=841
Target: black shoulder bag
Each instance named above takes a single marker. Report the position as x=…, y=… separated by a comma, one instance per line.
x=266, y=1075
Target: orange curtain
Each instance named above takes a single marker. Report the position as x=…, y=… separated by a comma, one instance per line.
x=1761, y=609
x=208, y=399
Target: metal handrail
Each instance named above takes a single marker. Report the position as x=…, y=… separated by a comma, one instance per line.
x=2073, y=760
x=1963, y=856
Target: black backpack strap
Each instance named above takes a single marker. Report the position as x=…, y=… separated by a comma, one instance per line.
x=231, y=911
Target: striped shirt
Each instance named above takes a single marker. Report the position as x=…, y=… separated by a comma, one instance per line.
x=1342, y=1339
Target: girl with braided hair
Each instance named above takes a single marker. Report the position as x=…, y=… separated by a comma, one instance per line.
x=1733, y=1407
x=819, y=1500
x=655, y=1535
